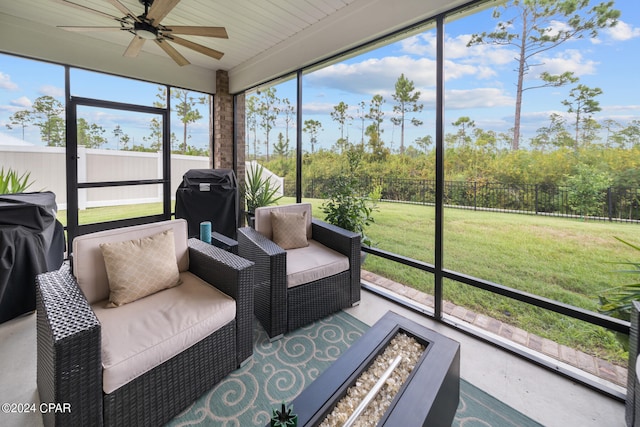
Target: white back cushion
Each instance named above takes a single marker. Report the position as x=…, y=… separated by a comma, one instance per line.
x=88, y=262
x=263, y=217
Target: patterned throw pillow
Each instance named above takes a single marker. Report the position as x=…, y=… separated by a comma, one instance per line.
x=289, y=229
x=140, y=267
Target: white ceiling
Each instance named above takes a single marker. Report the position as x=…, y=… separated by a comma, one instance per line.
x=267, y=38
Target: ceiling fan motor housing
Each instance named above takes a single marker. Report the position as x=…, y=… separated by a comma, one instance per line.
x=145, y=30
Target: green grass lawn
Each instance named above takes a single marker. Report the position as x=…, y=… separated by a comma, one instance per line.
x=567, y=260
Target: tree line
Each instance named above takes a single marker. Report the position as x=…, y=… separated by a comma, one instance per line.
x=572, y=149
x=47, y=113
x=263, y=111
x=571, y=146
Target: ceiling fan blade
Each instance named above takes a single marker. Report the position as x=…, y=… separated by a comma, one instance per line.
x=197, y=47
x=172, y=52
x=219, y=32
x=79, y=28
x=123, y=9
x=161, y=8
x=86, y=9
x=134, y=47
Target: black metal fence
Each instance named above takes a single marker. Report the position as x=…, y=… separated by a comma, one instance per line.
x=617, y=204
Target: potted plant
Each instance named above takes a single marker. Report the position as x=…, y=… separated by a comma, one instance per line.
x=617, y=301
x=284, y=417
x=347, y=207
x=259, y=190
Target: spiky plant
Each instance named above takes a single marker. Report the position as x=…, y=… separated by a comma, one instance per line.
x=259, y=190
x=617, y=301
x=11, y=182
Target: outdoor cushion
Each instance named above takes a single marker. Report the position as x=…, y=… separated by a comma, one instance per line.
x=312, y=263
x=263, y=217
x=289, y=229
x=139, y=336
x=88, y=262
x=140, y=267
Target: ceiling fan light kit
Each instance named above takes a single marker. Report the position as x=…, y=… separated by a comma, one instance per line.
x=147, y=27
x=144, y=30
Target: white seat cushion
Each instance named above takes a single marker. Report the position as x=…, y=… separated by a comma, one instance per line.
x=139, y=336
x=312, y=263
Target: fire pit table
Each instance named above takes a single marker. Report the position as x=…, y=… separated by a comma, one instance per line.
x=429, y=396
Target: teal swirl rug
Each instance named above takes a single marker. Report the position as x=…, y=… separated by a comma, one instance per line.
x=280, y=370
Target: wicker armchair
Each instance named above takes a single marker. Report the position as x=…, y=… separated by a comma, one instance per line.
x=69, y=340
x=280, y=306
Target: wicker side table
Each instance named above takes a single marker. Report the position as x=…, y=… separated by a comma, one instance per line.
x=223, y=242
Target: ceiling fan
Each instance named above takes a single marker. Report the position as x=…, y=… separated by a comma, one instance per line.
x=147, y=27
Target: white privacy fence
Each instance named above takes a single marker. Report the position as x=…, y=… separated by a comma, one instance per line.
x=47, y=169
x=48, y=173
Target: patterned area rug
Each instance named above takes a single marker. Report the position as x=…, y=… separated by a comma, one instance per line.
x=279, y=371
x=480, y=409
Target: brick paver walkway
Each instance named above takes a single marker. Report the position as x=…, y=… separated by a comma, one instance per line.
x=598, y=367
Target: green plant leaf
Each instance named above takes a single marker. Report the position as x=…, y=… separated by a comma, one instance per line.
x=347, y=209
x=259, y=190
x=11, y=182
x=617, y=301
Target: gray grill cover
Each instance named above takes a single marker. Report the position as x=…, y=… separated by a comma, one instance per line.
x=31, y=242
x=209, y=195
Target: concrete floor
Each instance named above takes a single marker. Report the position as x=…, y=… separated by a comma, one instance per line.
x=544, y=396
x=548, y=398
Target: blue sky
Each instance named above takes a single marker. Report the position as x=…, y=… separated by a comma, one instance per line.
x=479, y=83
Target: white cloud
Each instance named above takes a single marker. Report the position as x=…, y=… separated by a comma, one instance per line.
x=494, y=122
x=540, y=118
x=6, y=83
x=15, y=105
x=378, y=76
x=456, y=48
x=622, y=114
x=23, y=102
x=319, y=108
x=421, y=45
x=481, y=62
x=622, y=31
x=567, y=60
x=484, y=54
x=557, y=26
x=49, y=90
x=621, y=107
x=8, y=108
x=477, y=98
x=457, y=70
x=375, y=76
x=487, y=61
